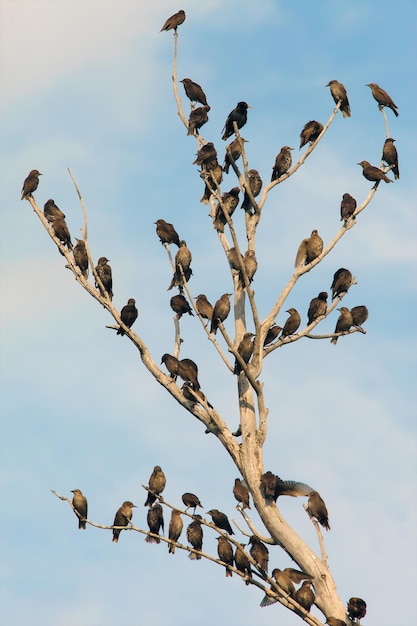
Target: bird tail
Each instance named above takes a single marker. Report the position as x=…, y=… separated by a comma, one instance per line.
x=150, y=539
x=334, y=340
x=82, y=524
x=267, y=601
x=193, y=556
x=228, y=572
x=171, y=548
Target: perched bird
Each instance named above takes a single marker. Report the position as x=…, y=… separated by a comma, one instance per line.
x=194, y=395
x=191, y=501
x=166, y=232
x=157, y=482
x=123, y=517
x=155, y=519
x=193, y=91
x=79, y=502
x=174, y=21
x=359, y=315
x=284, y=581
x=128, y=315
x=241, y=493
x=177, y=279
x=51, y=211
x=233, y=257
x=195, y=537
x=255, y=186
x=305, y=595
x=342, y=280
x=175, y=529
x=334, y=621
x=61, y=231
x=221, y=520
x=245, y=349
x=30, y=184
x=318, y=307
x=183, y=260
x=269, y=482
x=104, y=273
x=259, y=552
x=292, y=323
x=242, y=562
x=188, y=371
x=291, y=488
x=356, y=608
x=374, y=174
x=206, y=156
x=317, y=509
x=220, y=311
x=180, y=306
x=228, y=204
x=171, y=363
x=343, y=324
x=383, y=99
x=272, y=334
x=250, y=264
x=339, y=94
x=198, y=117
x=283, y=162
x=310, y=132
x=309, y=249
x=238, y=115
x=347, y=207
x=212, y=177
x=390, y=156
x=80, y=257
x=225, y=552
x=204, y=307
x=233, y=153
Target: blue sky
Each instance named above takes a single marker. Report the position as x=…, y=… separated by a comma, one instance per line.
x=87, y=85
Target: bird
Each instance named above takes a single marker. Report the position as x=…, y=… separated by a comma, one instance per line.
x=343, y=324
x=62, y=232
x=228, y=204
x=318, y=307
x=317, y=509
x=103, y=271
x=309, y=249
x=188, y=371
x=80, y=257
x=51, y=211
x=269, y=482
x=193, y=91
x=203, y=306
x=292, y=323
x=79, y=502
x=359, y=315
x=171, y=363
x=128, y=315
x=195, y=537
x=272, y=334
x=221, y=310
x=191, y=501
x=291, y=488
x=356, y=608
x=238, y=115
x=374, y=174
x=183, y=260
x=259, y=552
x=157, y=482
x=233, y=153
x=225, y=552
x=245, y=350
x=166, y=232
x=198, y=117
x=342, y=280
x=180, y=306
x=155, y=519
x=220, y=520
x=339, y=94
x=206, y=156
x=383, y=99
x=334, y=621
x=305, y=595
x=175, y=529
x=212, y=177
x=347, y=206
x=310, y=132
x=174, y=21
x=122, y=518
x=250, y=264
x=233, y=257
x=255, y=185
x=390, y=156
x=283, y=162
x=241, y=493
x=194, y=395
x=284, y=581
x=242, y=562
x=30, y=184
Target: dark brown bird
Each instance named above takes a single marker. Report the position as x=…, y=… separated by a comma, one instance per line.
x=79, y=502
x=245, y=349
x=195, y=537
x=188, y=371
x=233, y=258
x=318, y=307
x=305, y=595
x=198, y=117
x=383, y=99
x=180, y=306
x=259, y=552
x=30, y=184
x=225, y=552
x=204, y=307
x=193, y=91
x=128, y=315
x=220, y=520
x=242, y=562
x=191, y=501
x=292, y=323
x=174, y=21
x=171, y=363
x=175, y=529
x=61, y=231
x=157, y=482
x=347, y=207
x=166, y=232
x=177, y=279
x=359, y=315
x=183, y=260
x=51, y=211
x=229, y=202
x=269, y=482
x=255, y=186
x=284, y=581
x=206, y=156
x=272, y=334
x=283, y=162
x=317, y=509
x=212, y=177
x=334, y=621
x=194, y=395
x=220, y=312
x=251, y=265
x=233, y=153
x=342, y=280
x=374, y=174
x=80, y=257
x=104, y=273
x=309, y=249
x=123, y=517
x=241, y=493
x=390, y=156
x=339, y=94
x=310, y=132
x=356, y=609
x=238, y=115
x=155, y=519
x=343, y=324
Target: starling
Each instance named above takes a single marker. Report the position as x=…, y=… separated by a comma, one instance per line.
x=334, y=621
x=79, y=502
x=193, y=91
x=318, y=510
x=309, y=249
x=30, y=184
x=374, y=174
x=339, y=94
x=318, y=307
x=272, y=334
x=206, y=156
x=204, y=307
x=310, y=132
x=229, y=202
x=155, y=519
x=359, y=315
x=241, y=493
x=356, y=608
x=225, y=552
x=220, y=311
x=259, y=552
x=390, y=156
x=171, y=363
x=128, y=315
x=292, y=323
x=183, y=260
x=255, y=186
x=383, y=99
x=180, y=306
x=157, y=482
x=269, y=484
x=194, y=395
x=122, y=518
x=238, y=115
x=347, y=207
x=233, y=258
x=61, y=232
x=174, y=21
x=344, y=322
x=284, y=581
x=166, y=232
x=175, y=529
x=251, y=265
x=198, y=117
x=191, y=501
x=178, y=281
x=195, y=537
x=51, y=211
x=233, y=153
x=80, y=257
x=342, y=280
x=305, y=595
x=104, y=273
x=245, y=349
x=220, y=520
x=242, y=562
x=212, y=177
x=283, y=163
x=188, y=371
